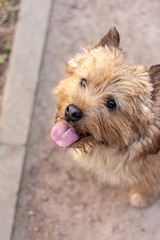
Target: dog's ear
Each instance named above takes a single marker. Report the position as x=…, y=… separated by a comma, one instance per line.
x=70, y=67
x=111, y=39
x=154, y=73
x=73, y=64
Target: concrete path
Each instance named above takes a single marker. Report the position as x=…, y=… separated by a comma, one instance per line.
x=19, y=97
x=57, y=199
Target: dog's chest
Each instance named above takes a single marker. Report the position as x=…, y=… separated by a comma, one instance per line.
x=107, y=163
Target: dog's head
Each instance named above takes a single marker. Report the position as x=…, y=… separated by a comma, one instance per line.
x=104, y=100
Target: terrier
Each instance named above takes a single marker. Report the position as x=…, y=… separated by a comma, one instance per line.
x=109, y=112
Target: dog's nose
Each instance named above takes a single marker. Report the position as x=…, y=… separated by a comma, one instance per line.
x=72, y=113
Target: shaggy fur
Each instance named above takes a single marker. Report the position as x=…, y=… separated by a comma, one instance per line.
x=124, y=143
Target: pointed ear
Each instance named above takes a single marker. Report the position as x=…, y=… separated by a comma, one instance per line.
x=111, y=39
x=73, y=64
x=154, y=73
x=70, y=67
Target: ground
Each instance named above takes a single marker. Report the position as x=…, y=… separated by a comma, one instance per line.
x=58, y=199
x=8, y=18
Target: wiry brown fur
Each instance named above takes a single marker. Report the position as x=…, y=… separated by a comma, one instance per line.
x=124, y=145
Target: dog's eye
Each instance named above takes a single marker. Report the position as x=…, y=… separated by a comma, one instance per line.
x=111, y=104
x=83, y=82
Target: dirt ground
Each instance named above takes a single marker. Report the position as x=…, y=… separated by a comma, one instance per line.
x=58, y=200
x=8, y=19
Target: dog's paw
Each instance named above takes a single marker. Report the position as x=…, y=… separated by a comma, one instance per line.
x=140, y=200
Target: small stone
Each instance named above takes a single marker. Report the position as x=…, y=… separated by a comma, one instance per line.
x=114, y=228
x=143, y=230
x=46, y=235
x=44, y=198
x=90, y=220
x=41, y=170
x=31, y=213
x=36, y=229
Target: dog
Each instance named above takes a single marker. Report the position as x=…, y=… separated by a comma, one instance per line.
x=109, y=118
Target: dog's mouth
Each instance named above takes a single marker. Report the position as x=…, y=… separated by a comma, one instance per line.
x=64, y=135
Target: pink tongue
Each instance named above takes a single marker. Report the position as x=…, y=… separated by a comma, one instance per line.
x=64, y=135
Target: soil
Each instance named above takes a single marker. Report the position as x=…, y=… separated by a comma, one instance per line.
x=59, y=200
x=8, y=19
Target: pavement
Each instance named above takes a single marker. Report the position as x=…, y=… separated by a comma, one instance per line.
x=45, y=194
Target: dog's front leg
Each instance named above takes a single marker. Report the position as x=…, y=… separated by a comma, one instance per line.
x=142, y=196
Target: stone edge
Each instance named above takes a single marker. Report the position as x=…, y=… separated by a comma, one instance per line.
x=13, y=94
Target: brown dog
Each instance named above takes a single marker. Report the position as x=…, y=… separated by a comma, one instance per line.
x=109, y=112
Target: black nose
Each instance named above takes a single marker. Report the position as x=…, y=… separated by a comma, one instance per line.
x=72, y=113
